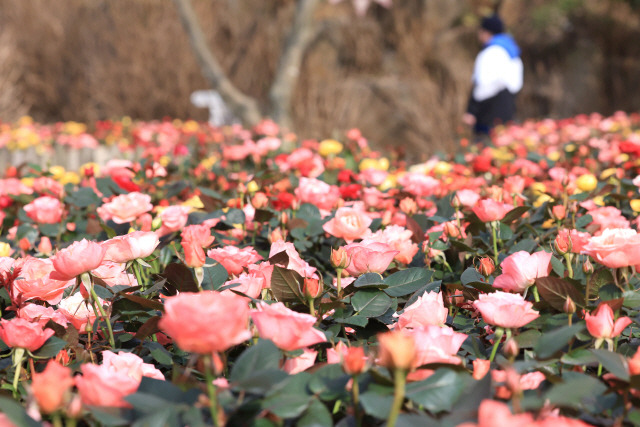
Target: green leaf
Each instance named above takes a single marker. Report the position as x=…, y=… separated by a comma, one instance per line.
x=437, y=393
x=83, y=197
x=16, y=413
x=51, y=348
x=370, y=303
x=429, y=287
x=329, y=382
x=416, y=420
x=555, y=291
x=106, y=418
x=286, y=285
x=551, y=342
x=471, y=275
x=144, y=302
x=631, y=299
x=528, y=339
x=526, y=245
x=168, y=391
x=308, y=212
x=262, y=356
x=583, y=221
x=579, y=356
x=50, y=230
x=407, y=281
x=214, y=276
x=289, y=398
x=377, y=403
x=558, y=266
x=162, y=356
x=316, y=415
x=613, y=362
x=261, y=381
x=370, y=280
x=514, y=214
x=575, y=390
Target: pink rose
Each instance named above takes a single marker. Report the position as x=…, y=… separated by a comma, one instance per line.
x=288, y=329
x=578, y=238
x=233, y=259
x=419, y=184
x=318, y=193
x=488, y=210
x=520, y=270
x=435, y=344
x=467, y=198
x=249, y=284
x=295, y=262
x=348, y=223
x=601, y=325
x=41, y=315
x=139, y=244
x=369, y=256
x=78, y=311
x=300, y=363
x=80, y=257
x=125, y=207
x=428, y=309
x=615, y=247
x=505, y=310
x=45, y=210
x=207, y=321
x=36, y=281
x=114, y=274
x=174, y=218
x=606, y=217
x=399, y=239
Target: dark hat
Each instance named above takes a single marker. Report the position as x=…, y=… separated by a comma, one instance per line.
x=493, y=24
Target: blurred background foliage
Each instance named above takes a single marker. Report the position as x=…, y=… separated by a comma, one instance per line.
x=400, y=74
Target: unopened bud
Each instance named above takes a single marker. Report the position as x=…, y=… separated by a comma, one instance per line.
x=386, y=217
x=569, y=306
x=24, y=244
x=312, y=288
x=562, y=243
x=339, y=258
x=559, y=212
x=511, y=348
x=354, y=361
x=284, y=218
x=45, y=247
x=455, y=202
x=275, y=236
x=486, y=267
x=397, y=350
x=259, y=200
x=451, y=229
x=587, y=267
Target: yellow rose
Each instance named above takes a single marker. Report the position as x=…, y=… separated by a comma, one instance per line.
x=5, y=249
x=330, y=146
x=587, y=182
x=635, y=205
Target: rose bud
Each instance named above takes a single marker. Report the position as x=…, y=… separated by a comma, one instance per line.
x=339, y=258
x=562, y=243
x=587, y=267
x=408, y=206
x=511, y=348
x=312, y=288
x=354, y=361
x=569, y=306
x=558, y=212
x=259, y=200
x=486, y=267
x=397, y=350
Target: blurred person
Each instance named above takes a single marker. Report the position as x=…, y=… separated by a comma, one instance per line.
x=497, y=78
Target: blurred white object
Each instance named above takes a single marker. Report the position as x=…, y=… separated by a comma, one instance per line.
x=219, y=114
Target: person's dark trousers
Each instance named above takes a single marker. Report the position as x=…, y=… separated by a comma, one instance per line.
x=498, y=109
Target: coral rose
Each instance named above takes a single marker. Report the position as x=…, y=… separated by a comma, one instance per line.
x=35, y=281
x=505, y=310
x=234, y=259
x=249, y=284
x=125, y=207
x=139, y=244
x=80, y=257
x=206, y=322
x=21, y=333
x=428, y=310
x=288, y=329
x=521, y=269
x=488, y=210
x=51, y=387
x=601, y=325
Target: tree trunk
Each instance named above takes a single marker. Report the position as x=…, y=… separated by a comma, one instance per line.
x=244, y=107
x=302, y=33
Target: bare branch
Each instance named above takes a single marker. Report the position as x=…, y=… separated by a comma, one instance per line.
x=243, y=106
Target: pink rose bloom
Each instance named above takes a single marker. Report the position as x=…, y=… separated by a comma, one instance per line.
x=306, y=161
x=399, y=239
x=114, y=274
x=174, y=218
x=249, y=284
x=267, y=144
x=335, y=355
x=373, y=176
x=48, y=185
x=36, y=283
x=488, y=210
x=80, y=257
x=435, y=344
x=45, y=210
x=467, y=198
x=493, y=413
x=13, y=187
x=615, y=248
x=295, y=262
x=233, y=259
x=369, y=256
x=288, y=329
x=132, y=364
x=521, y=269
x=318, y=193
x=41, y=315
x=601, y=325
x=199, y=234
x=348, y=223
x=505, y=310
x=264, y=270
x=428, y=310
x=578, y=238
x=372, y=197
x=20, y=333
x=77, y=311
x=125, y=207
x=300, y=363
x=530, y=381
x=514, y=184
x=206, y=322
x=139, y=244
x=605, y=218
x=419, y=184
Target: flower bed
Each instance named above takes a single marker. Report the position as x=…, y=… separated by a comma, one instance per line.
x=242, y=277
